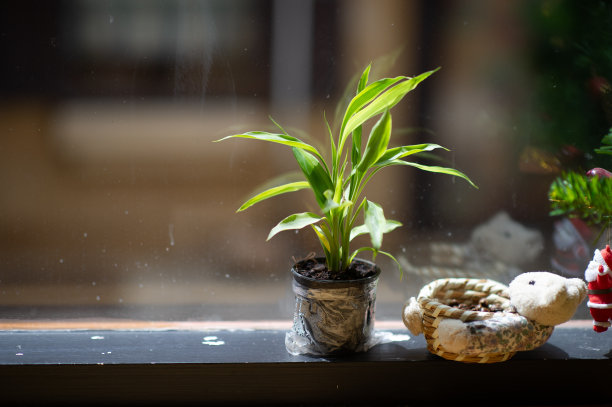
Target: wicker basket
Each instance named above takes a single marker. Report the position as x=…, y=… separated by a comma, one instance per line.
x=432, y=299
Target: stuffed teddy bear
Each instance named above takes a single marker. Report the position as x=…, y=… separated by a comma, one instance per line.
x=530, y=307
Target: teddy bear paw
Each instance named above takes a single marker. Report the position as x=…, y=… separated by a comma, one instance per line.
x=412, y=316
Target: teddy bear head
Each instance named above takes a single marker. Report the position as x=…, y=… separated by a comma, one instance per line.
x=545, y=297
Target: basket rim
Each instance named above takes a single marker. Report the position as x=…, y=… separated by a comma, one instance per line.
x=432, y=304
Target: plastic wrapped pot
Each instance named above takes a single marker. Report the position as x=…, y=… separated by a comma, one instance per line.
x=333, y=316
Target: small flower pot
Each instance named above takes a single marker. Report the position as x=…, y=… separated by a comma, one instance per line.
x=332, y=316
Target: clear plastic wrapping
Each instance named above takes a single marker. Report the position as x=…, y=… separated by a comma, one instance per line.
x=332, y=317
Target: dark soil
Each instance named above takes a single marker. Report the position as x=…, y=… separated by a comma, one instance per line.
x=482, y=305
x=315, y=269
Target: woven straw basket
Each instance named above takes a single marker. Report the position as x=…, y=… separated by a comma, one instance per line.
x=432, y=298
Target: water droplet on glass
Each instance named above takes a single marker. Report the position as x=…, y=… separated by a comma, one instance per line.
x=171, y=233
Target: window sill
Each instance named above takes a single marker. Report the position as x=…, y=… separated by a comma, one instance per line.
x=240, y=363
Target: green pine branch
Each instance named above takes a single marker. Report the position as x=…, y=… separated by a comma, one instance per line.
x=576, y=195
x=606, y=142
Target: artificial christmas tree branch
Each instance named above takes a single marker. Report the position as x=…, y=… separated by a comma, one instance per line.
x=586, y=196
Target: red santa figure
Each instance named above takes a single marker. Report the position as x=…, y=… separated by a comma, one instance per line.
x=599, y=277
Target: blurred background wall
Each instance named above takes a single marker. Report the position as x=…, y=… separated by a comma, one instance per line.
x=115, y=201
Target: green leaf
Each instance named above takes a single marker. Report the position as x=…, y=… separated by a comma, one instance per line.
x=329, y=201
x=278, y=125
x=269, y=193
x=322, y=238
x=375, y=223
x=436, y=169
x=356, y=137
x=390, y=225
x=284, y=139
x=375, y=252
x=364, y=97
x=396, y=153
x=383, y=99
x=316, y=175
x=356, y=146
x=331, y=142
x=377, y=142
x=294, y=222
x=363, y=80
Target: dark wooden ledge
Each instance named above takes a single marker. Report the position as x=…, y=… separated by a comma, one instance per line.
x=183, y=363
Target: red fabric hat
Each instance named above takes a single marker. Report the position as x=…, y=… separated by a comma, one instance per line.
x=607, y=256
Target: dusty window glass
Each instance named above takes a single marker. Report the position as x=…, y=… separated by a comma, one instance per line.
x=116, y=203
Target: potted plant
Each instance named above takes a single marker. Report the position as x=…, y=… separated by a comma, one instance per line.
x=335, y=294
x=585, y=195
